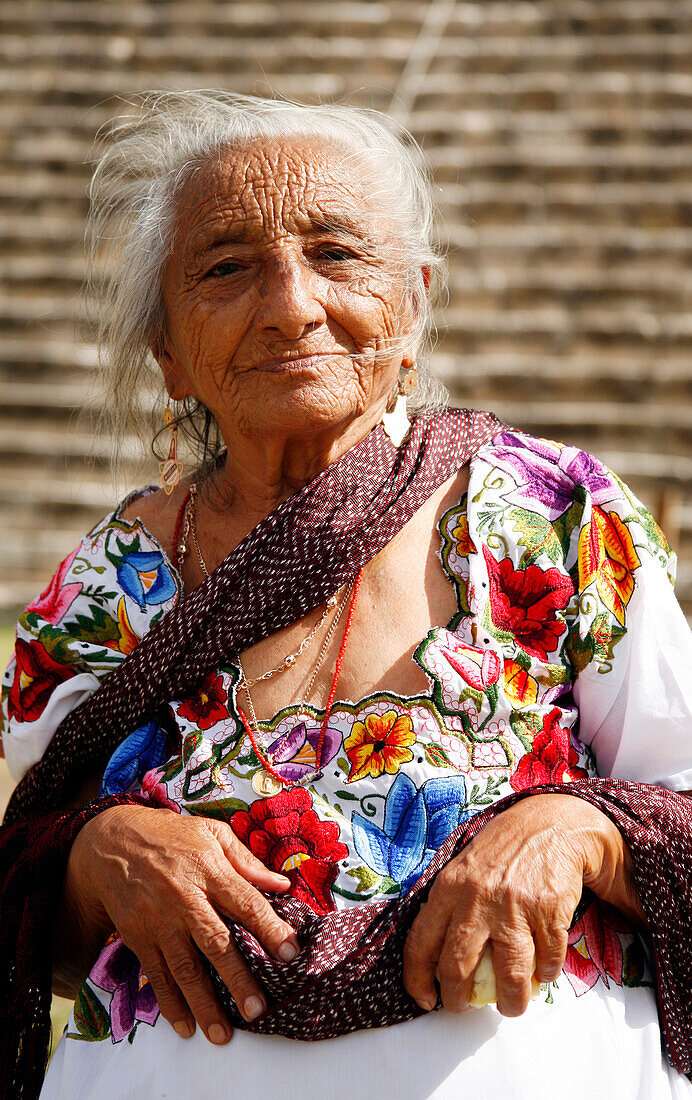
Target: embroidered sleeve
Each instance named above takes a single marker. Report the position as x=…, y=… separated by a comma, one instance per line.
x=629, y=644
x=570, y=575
x=104, y=596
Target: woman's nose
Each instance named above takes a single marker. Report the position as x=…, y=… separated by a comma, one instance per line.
x=289, y=298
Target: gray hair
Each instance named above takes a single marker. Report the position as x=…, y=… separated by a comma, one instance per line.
x=144, y=159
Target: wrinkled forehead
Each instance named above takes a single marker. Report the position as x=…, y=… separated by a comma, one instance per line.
x=263, y=190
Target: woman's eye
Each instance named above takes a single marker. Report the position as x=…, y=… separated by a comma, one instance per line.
x=335, y=253
x=226, y=267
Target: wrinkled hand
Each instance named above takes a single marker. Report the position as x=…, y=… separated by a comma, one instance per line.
x=516, y=886
x=162, y=879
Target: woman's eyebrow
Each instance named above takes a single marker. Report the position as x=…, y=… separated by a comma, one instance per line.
x=336, y=224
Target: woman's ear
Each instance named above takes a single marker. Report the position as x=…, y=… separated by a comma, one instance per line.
x=426, y=273
x=173, y=377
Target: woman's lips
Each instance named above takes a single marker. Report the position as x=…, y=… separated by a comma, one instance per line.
x=296, y=364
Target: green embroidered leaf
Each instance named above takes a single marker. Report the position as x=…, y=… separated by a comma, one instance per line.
x=606, y=635
x=347, y=795
x=343, y=764
x=367, y=878
x=564, y=525
x=525, y=725
x=537, y=535
x=91, y=1018
x=99, y=627
x=580, y=651
x=437, y=756
x=222, y=809
x=191, y=742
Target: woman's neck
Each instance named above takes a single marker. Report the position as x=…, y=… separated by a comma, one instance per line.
x=261, y=472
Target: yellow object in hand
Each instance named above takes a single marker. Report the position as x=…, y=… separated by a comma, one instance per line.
x=484, y=990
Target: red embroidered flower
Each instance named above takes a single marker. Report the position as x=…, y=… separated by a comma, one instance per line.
x=552, y=758
x=207, y=707
x=288, y=836
x=595, y=950
x=55, y=600
x=36, y=677
x=524, y=602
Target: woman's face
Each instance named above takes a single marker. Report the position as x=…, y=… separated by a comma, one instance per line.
x=285, y=308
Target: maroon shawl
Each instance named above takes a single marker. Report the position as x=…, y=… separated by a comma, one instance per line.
x=348, y=974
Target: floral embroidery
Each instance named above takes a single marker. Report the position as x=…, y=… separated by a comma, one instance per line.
x=117, y=971
x=550, y=473
x=55, y=601
x=294, y=752
x=134, y=756
x=145, y=577
x=521, y=688
x=379, y=744
x=209, y=706
x=607, y=555
x=478, y=667
x=552, y=758
x=524, y=601
x=127, y=638
x=460, y=533
x=36, y=677
x=288, y=836
x=594, y=948
x=416, y=824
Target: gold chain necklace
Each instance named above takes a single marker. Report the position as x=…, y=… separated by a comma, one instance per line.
x=189, y=531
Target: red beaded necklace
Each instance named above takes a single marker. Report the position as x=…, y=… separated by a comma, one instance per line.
x=253, y=735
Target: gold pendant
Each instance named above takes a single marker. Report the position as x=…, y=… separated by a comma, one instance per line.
x=265, y=784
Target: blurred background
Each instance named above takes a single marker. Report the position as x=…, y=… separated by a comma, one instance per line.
x=560, y=134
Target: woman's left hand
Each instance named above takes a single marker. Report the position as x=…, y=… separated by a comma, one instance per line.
x=515, y=885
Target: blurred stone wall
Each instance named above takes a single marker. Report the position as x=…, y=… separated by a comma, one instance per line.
x=560, y=132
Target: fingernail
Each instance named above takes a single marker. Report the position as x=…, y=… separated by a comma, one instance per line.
x=254, y=1007
x=427, y=1003
x=217, y=1033
x=183, y=1028
x=288, y=950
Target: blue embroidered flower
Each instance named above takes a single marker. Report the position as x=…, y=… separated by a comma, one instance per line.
x=145, y=577
x=143, y=750
x=416, y=824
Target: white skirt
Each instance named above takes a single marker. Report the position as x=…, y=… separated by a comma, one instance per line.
x=604, y=1045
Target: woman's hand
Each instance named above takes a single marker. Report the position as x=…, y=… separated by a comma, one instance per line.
x=516, y=885
x=161, y=879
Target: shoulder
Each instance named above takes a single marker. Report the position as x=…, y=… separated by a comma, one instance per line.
x=156, y=511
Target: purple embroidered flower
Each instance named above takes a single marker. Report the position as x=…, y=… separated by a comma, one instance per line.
x=549, y=473
x=294, y=753
x=118, y=971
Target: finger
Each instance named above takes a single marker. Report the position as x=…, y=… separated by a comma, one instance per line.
x=551, y=948
x=421, y=953
x=460, y=955
x=215, y=941
x=193, y=981
x=235, y=897
x=513, y=960
x=172, y=1004
x=247, y=864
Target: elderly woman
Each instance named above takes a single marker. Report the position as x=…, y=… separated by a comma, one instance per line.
x=343, y=667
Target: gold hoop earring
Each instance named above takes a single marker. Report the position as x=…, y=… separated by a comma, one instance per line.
x=172, y=468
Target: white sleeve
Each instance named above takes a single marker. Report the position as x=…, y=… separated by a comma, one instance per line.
x=635, y=697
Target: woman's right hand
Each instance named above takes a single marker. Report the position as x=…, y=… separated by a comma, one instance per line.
x=162, y=879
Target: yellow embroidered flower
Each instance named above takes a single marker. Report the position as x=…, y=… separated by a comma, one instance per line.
x=379, y=744
x=607, y=555
x=127, y=640
x=520, y=688
x=463, y=540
